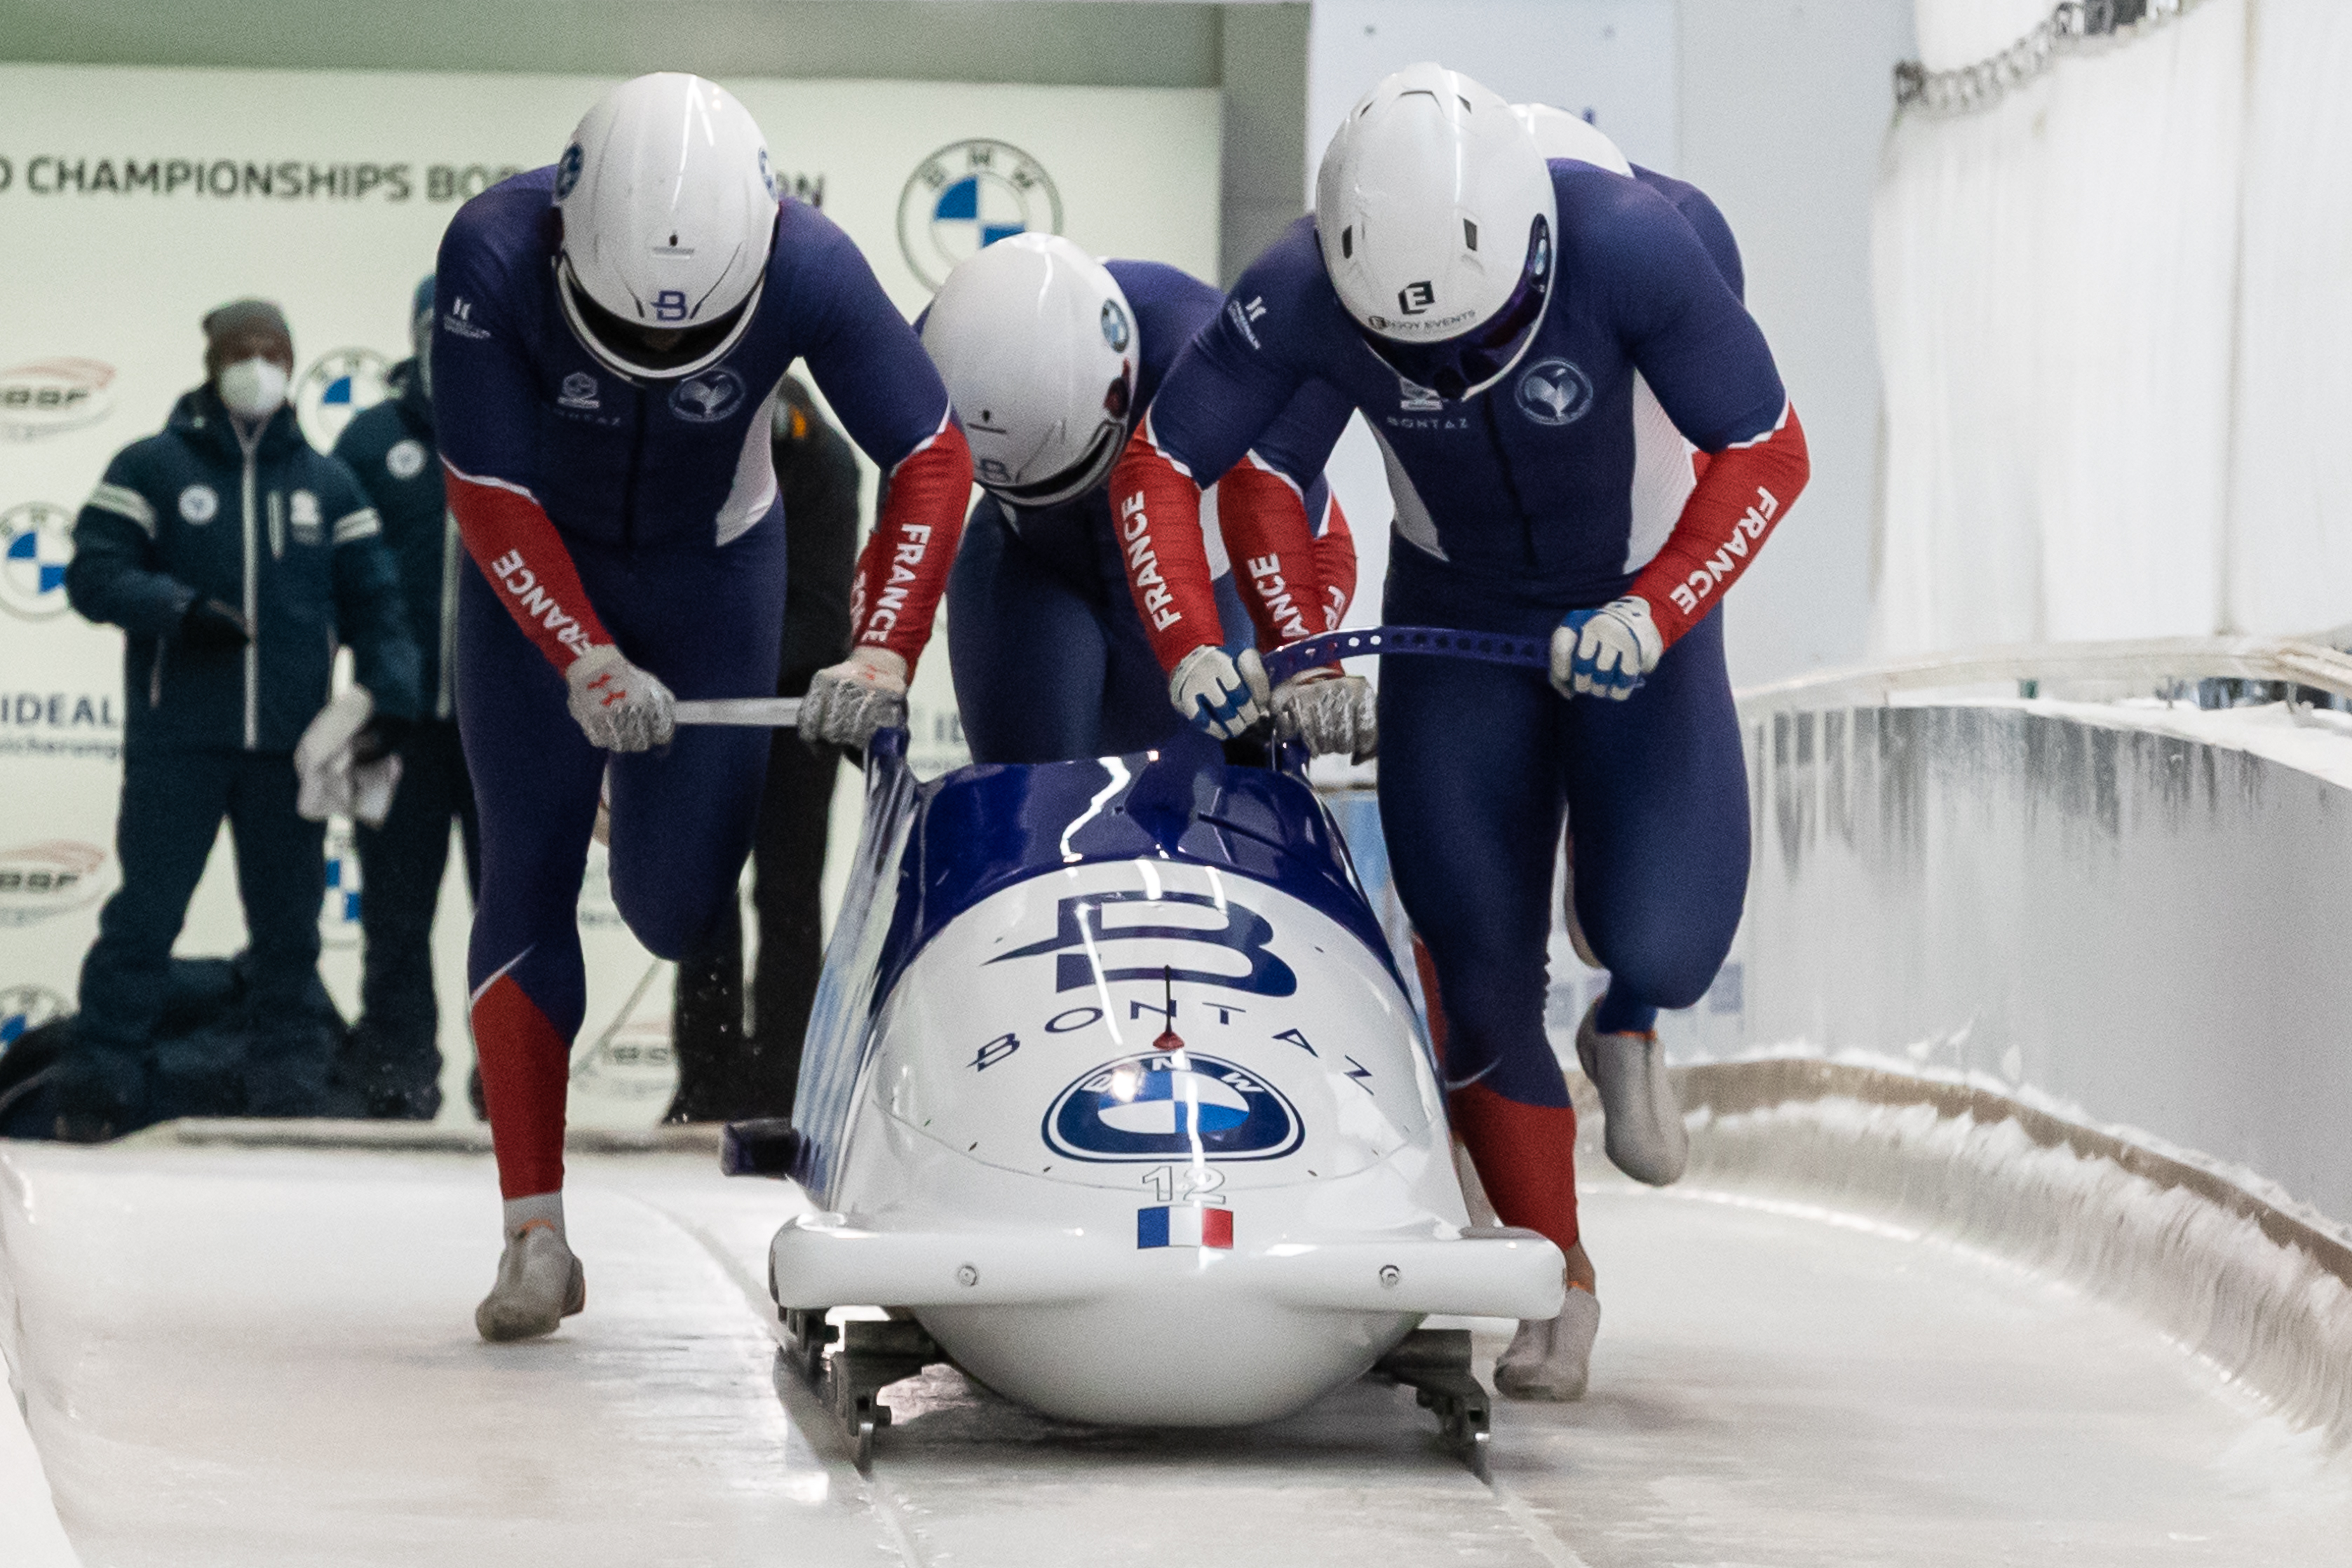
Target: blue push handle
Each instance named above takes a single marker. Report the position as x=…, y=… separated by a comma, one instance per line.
x=1489, y=648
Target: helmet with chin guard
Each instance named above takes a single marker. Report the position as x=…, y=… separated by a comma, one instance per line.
x=1434, y=212
x=668, y=211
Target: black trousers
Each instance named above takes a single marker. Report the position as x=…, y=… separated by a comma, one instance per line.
x=172, y=803
x=724, y=1074
x=394, y=1057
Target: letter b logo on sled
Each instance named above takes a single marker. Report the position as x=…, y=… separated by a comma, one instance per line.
x=1163, y=1105
x=1083, y=936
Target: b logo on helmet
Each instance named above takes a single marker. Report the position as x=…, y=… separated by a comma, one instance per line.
x=567, y=171
x=669, y=305
x=1416, y=298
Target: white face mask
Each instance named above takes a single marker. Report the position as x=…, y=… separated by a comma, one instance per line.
x=253, y=388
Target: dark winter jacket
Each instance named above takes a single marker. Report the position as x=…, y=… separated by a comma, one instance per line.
x=390, y=448
x=272, y=529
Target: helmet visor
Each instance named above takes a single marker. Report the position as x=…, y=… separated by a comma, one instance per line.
x=1091, y=468
x=1467, y=363
x=638, y=350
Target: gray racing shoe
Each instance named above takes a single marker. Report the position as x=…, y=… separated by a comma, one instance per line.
x=1551, y=1358
x=540, y=1285
x=1642, y=1121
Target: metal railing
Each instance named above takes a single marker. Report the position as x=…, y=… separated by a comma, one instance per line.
x=2306, y=662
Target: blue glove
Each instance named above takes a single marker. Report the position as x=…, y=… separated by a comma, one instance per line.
x=1605, y=652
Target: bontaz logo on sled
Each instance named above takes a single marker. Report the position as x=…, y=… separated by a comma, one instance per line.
x=1161, y=1105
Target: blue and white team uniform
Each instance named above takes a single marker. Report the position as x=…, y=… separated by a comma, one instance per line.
x=1642, y=444
x=1041, y=593
x=605, y=510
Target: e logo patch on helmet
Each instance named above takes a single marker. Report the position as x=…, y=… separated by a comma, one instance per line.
x=1162, y=1105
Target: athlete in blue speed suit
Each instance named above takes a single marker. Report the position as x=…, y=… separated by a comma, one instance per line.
x=1567, y=485
x=1040, y=592
x=629, y=530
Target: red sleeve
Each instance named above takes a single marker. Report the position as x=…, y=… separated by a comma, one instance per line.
x=1335, y=561
x=1156, y=507
x=1272, y=546
x=522, y=557
x=904, y=568
x=1743, y=492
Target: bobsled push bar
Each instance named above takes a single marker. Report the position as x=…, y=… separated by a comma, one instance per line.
x=1491, y=647
x=755, y=712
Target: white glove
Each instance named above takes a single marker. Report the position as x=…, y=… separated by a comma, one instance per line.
x=1330, y=712
x=1605, y=652
x=620, y=706
x=847, y=702
x=329, y=779
x=1219, y=694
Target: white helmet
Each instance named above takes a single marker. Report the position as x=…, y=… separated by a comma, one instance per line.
x=668, y=210
x=1560, y=134
x=1435, y=215
x=1037, y=345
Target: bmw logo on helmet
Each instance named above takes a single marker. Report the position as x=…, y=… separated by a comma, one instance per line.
x=1114, y=326
x=567, y=171
x=1163, y=1105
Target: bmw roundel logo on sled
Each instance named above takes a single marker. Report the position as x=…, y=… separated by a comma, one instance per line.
x=1163, y=1105
x=968, y=195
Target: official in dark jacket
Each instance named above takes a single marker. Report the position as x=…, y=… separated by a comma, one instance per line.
x=238, y=559
x=394, y=1057
x=721, y=1075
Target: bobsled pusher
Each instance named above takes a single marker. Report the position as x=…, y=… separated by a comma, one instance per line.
x=1116, y=1095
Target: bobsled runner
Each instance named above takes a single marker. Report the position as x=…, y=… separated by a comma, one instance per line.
x=1115, y=1094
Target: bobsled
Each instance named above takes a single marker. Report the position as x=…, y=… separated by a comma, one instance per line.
x=1115, y=1094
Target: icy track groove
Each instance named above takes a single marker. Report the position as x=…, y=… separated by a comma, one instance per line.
x=263, y=1357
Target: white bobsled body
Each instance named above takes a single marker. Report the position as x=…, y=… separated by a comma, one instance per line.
x=1141, y=1124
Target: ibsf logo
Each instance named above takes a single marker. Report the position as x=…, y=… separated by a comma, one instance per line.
x=337, y=388
x=965, y=197
x=706, y=398
x=1171, y=1105
x=37, y=881
x=35, y=548
x=53, y=394
x=24, y=1008
x=1554, y=392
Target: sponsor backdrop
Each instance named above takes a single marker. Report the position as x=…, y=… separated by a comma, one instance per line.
x=134, y=200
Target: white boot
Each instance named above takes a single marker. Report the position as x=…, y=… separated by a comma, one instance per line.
x=1551, y=1358
x=540, y=1285
x=1642, y=1121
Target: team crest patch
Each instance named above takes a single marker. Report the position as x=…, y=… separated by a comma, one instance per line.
x=1554, y=392
x=1164, y=1105
x=706, y=398
x=199, y=504
x=405, y=460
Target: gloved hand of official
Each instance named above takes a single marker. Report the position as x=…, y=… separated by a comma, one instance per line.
x=379, y=738
x=1605, y=652
x=847, y=702
x=209, y=624
x=1219, y=694
x=619, y=706
x=1330, y=712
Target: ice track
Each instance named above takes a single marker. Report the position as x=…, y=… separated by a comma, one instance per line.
x=261, y=1357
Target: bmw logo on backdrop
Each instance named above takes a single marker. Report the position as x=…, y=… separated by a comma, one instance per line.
x=337, y=386
x=36, y=547
x=969, y=195
x=1164, y=1105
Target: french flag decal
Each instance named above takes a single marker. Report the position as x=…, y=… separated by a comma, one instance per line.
x=1184, y=1225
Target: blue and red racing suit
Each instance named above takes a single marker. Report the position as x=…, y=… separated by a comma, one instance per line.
x=1643, y=445
x=647, y=515
x=1050, y=660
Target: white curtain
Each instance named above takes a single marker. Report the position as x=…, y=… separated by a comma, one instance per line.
x=2114, y=310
